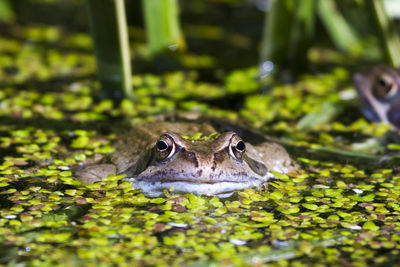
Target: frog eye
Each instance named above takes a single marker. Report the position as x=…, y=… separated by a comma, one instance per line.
x=240, y=146
x=162, y=145
x=237, y=147
x=386, y=87
x=165, y=147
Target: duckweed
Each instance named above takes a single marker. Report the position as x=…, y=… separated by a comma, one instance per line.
x=200, y=137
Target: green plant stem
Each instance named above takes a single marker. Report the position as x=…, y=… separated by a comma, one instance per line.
x=6, y=11
x=341, y=33
x=389, y=35
x=162, y=25
x=111, y=45
x=288, y=30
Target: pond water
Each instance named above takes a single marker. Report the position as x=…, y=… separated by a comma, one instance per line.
x=341, y=209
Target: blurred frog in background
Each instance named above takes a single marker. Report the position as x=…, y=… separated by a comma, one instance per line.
x=379, y=91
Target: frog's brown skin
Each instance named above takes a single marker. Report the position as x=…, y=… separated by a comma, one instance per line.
x=155, y=156
x=379, y=91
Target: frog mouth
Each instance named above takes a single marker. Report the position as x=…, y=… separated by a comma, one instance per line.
x=198, y=180
x=222, y=188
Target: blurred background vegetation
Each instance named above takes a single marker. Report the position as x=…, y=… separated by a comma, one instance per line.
x=284, y=37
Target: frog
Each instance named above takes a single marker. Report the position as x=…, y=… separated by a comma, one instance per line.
x=161, y=155
x=378, y=89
